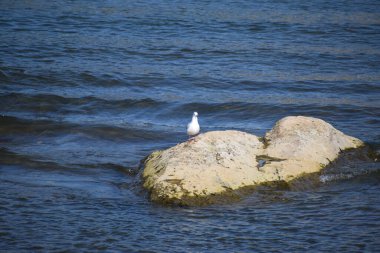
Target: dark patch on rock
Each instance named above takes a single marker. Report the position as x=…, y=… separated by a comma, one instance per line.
x=264, y=141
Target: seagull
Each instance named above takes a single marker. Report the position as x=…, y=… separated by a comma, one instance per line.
x=193, y=127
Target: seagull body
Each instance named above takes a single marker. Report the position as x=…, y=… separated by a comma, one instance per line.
x=193, y=127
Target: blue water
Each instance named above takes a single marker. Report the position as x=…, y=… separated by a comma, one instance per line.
x=89, y=88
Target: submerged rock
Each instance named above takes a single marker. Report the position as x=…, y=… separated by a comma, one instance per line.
x=216, y=164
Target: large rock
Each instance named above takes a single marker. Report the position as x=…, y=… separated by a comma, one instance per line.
x=305, y=145
x=215, y=164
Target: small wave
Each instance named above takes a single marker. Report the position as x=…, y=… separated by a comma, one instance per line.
x=129, y=171
x=104, y=80
x=55, y=103
x=351, y=164
x=10, y=126
x=369, y=171
x=11, y=158
x=334, y=177
x=265, y=109
x=3, y=76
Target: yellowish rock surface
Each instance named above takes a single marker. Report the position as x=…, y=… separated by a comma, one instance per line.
x=220, y=161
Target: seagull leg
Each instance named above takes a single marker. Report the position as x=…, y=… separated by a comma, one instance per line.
x=193, y=138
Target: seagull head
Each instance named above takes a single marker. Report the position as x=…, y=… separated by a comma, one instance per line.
x=195, y=114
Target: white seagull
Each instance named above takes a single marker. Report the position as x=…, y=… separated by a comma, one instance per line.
x=193, y=127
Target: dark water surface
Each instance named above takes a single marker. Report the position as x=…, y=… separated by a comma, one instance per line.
x=88, y=88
